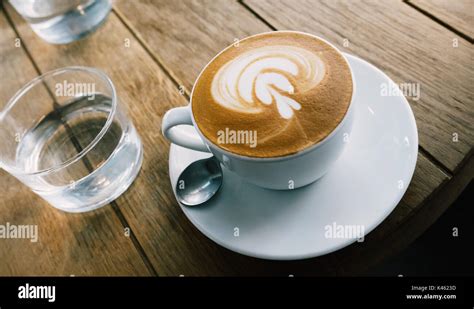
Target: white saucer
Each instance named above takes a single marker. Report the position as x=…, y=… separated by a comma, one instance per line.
x=361, y=189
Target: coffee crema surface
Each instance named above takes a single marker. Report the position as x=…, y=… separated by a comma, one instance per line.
x=272, y=94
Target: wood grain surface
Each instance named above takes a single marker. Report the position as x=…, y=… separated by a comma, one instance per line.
x=457, y=14
x=200, y=30
x=89, y=244
x=151, y=49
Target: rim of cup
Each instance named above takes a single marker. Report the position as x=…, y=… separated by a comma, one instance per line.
x=285, y=157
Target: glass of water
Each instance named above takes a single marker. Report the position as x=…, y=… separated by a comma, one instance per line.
x=65, y=135
x=63, y=21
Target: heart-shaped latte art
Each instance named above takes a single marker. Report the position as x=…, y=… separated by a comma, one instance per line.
x=264, y=74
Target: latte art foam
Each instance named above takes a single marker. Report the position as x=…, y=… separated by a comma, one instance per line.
x=264, y=73
x=290, y=88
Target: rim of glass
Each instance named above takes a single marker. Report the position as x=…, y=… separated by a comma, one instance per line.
x=32, y=83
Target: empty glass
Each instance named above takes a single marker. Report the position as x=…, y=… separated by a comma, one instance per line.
x=63, y=21
x=65, y=135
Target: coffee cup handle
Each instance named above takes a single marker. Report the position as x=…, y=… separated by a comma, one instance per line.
x=185, y=138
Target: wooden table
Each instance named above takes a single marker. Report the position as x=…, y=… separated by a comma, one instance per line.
x=154, y=49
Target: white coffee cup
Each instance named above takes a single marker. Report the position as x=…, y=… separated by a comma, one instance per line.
x=280, y=173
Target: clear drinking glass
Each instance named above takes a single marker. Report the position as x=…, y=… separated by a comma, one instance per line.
x=63, y=21
x=65, y=135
